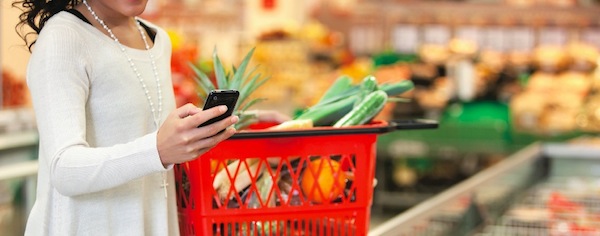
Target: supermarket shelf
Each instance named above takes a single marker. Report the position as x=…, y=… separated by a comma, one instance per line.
x=18, y=139
x=18, y=170
x=453, y=11
x=26, y=172
x=457, y=8
x=564, y=150
x=18, y=165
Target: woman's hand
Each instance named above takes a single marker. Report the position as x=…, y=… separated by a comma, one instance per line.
x=179, y=139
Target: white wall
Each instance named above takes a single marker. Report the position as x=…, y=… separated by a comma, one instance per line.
x=14, y=54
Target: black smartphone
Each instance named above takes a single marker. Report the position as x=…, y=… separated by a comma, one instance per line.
x=220, y=97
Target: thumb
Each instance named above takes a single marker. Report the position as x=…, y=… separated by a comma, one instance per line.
x=187, y=110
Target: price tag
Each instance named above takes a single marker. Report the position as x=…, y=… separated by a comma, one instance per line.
x=521, y=39
x=591, y=36
x=437, y=34
x=494, y=39
x=553, y=35
x=470, y=33
x=405, y=38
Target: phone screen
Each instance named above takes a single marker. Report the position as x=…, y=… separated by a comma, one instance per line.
x=221, y=97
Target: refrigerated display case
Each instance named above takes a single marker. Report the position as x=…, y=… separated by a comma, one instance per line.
x=18, y=168
x=543, y=189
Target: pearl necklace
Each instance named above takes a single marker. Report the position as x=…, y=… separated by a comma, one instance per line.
x=156, y=112
x=155, y=115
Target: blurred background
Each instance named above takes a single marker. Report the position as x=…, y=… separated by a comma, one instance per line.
x=498, y=76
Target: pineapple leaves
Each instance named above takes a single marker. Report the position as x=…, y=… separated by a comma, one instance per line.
x=238, y=75
x=240, y=78
x=252, y=85
x=202, y=79
x=250, y=103
x=245, y=120
x=222, y=79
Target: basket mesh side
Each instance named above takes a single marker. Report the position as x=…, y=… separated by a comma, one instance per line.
x=342, y=225
x=293, y=186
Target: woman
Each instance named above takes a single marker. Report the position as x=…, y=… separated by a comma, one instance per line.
x=109, y=131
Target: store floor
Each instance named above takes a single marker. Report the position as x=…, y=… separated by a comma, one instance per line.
x=378, y=217
x=377, y=220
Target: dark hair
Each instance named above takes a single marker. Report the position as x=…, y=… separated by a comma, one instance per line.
x=36, y=13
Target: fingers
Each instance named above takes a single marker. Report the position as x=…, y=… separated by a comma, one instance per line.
x=187, y=110
x=206, y=137
x=215, y=128
x=179, y=139
x=204, y=115
x=195, y=149
x=203, y=145
x=193, y=116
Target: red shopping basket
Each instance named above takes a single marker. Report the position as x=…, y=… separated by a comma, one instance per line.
x=304, y=182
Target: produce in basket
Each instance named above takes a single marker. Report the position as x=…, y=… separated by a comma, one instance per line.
x=365, y=110
x=323, y=180
x=259, y=228
x=342, y=97
x=238, y=79
x=293, y=124
x=237, y=176
x=264, y=197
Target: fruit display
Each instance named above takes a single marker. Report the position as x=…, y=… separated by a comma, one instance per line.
x=560, y=95
x=293, y=74
x=14, y=90
x=551, y=103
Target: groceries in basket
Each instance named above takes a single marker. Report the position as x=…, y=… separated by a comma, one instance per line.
x=283, y=181
x=346, y=104
x=284, y=184
x=256, y=183
x=343, y=103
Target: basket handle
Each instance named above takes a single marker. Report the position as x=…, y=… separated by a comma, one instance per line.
x=412, y=124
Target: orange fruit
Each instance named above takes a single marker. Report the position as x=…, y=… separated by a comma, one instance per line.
x=216, y=166
x=323, y=180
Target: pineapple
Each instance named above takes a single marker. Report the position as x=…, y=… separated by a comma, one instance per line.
x=245, y=82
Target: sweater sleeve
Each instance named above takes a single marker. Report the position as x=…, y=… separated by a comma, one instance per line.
x=58, y=79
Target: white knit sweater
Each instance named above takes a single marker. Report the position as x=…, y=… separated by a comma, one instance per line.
x=100, y=172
